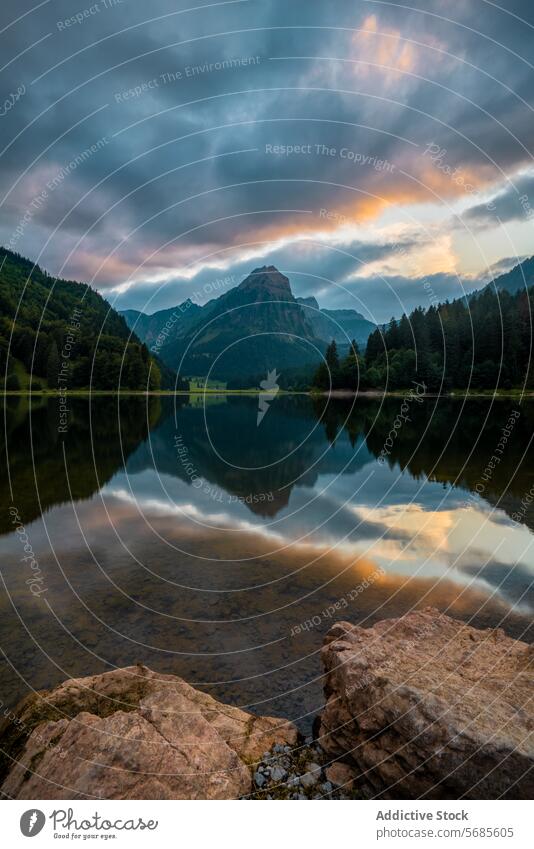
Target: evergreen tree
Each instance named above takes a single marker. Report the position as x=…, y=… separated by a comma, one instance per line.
x=375, y=347
x=52, y=366
x=350, y=368
x=333, y=364
x=12, y=382
x=328, y=374
x=136, y=372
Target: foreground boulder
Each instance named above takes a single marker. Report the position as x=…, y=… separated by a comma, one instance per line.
x=132, y=734
x=426, y=706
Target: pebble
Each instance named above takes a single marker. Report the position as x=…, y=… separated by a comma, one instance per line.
x=277, y=767
x=308, y=779
x=278, y=773
x=313, y=767
x=259, y=779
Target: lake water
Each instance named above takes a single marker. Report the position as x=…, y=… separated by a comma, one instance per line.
x=182, y=534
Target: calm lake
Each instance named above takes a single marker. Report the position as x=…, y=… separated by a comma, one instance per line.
x=183, y=534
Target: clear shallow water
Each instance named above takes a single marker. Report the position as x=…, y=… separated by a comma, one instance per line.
x=185, y=536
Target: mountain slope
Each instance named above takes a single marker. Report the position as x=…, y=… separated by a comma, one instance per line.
x=341, y=325
x=519, y=277
x=155, y=329
x=65, y=334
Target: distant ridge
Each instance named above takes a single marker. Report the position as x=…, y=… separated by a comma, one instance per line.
x=342, y=325
x=521, y=276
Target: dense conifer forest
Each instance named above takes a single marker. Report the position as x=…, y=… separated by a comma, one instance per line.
x=480, y=342
x=65, y=335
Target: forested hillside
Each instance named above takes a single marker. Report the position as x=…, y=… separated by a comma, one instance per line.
x=65, y=335
x=481, y=342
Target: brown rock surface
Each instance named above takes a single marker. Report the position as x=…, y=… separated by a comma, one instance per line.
x=340, y=775
x=426, y=706
x=132, y=734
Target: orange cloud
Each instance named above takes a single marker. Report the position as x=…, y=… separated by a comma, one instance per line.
x=386, y=50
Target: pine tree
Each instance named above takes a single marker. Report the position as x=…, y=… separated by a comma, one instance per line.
x=332, y=357
x=12, y=382
x=333, y=365
x=135, y=370
x=52, y=366
x=350, y=368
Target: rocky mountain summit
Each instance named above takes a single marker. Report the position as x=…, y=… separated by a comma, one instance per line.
x=267, y=283
x=422, y=706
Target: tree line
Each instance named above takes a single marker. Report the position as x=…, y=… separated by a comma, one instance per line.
x=483, y=341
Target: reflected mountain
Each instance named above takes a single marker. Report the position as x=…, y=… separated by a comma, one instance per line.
x=217, y=441
x=222, y=444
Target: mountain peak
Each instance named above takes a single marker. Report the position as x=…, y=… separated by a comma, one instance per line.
x=269, y=281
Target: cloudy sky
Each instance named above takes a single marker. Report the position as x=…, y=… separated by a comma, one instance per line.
x=378, y=154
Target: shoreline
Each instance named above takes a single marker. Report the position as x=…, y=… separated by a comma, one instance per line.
x=388, y=677
x=337, y=393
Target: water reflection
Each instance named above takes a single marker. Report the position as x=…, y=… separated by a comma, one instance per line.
x=184, y=536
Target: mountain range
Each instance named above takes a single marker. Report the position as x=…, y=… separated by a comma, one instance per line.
x=238, y=337
x=253, y=328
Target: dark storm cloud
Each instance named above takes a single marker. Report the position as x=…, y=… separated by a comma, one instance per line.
x=377, y=297
x=383, y=297
x=515, y=203
x=312, y=268
x=505, y=264
x=190, y=108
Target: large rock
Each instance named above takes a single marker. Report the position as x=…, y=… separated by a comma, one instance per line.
x=426, y=706
x=132, y=734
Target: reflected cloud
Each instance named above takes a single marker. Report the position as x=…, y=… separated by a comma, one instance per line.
x=142, y=565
